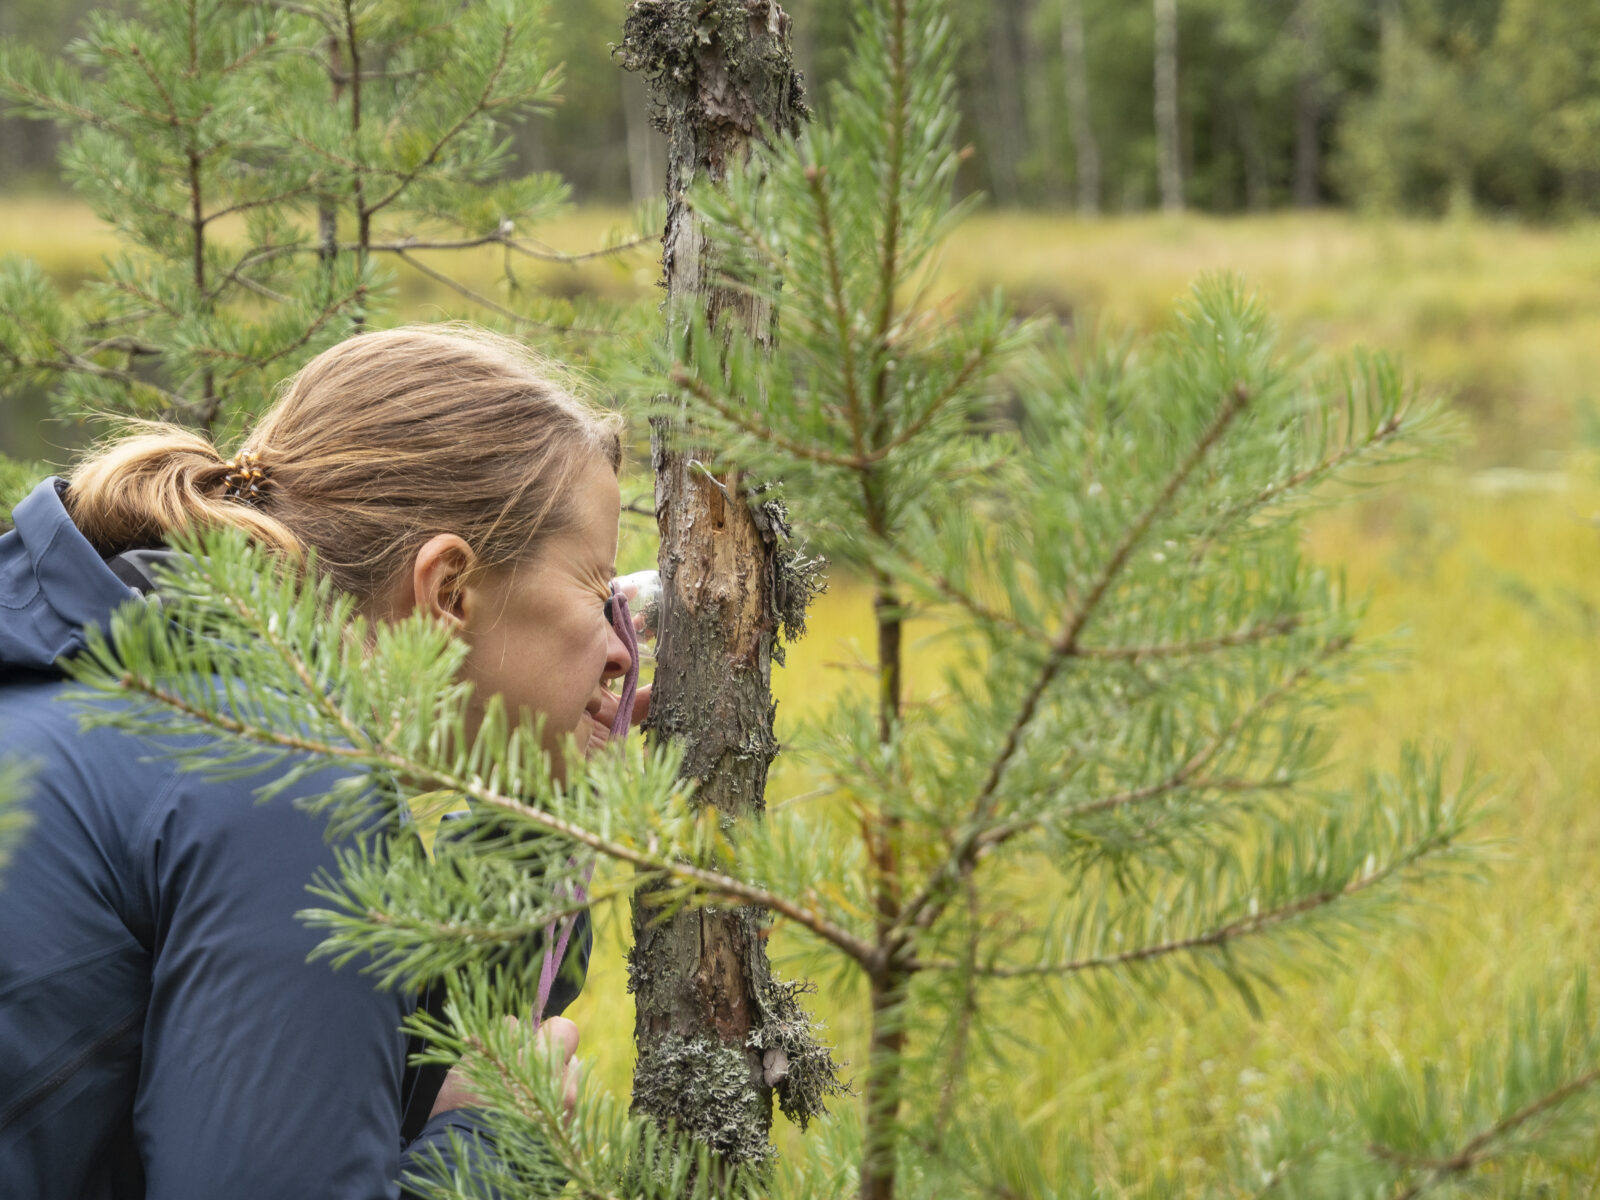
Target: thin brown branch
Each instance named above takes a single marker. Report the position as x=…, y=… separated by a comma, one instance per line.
x=1260, y=632
x=1478, y=1150
x=713, y=883
x=969, y=368
x=330, y=310
x=946, y=587
x=171, y=118
x=462, y=289
x=482, y=104
x=737, y=417
x=325, y=19
x=545, y=254
x=1186, y=775
x=260, y=202
x=1211, y=938
x=1385, y=432
x=965, y=1016
x=838, y=309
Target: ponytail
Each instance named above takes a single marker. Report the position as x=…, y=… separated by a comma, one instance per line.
x=136, y=491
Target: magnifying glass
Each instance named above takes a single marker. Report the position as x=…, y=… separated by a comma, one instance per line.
x=643, y=590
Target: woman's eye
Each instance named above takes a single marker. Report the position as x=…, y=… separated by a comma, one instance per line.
x=609, y=610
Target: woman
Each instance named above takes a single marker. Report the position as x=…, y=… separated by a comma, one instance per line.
x=162, y=1034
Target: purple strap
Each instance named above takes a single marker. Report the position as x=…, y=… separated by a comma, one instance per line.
x=555, y=950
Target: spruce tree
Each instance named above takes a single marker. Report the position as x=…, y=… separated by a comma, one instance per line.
x=1116, y=791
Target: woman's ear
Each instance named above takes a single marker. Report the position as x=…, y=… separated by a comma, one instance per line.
x=440, y=573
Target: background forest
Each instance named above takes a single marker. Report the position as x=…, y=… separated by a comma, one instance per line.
x=1461, y=139
x=1114, y=106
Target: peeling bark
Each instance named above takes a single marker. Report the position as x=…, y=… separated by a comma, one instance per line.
x=719, y=72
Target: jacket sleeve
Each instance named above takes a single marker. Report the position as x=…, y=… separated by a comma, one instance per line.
x=264, y=1075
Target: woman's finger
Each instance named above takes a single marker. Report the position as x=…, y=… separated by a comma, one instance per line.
x=641, y=704
x=561, y=1032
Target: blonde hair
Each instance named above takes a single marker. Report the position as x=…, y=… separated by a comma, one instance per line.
x=377, y=444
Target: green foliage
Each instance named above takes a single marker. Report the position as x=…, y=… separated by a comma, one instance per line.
x=1503, y=112
x=1398, y=1130
x=1120, y=791
x=256, y=161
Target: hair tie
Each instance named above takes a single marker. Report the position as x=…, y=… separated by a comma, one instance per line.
x=246, y=480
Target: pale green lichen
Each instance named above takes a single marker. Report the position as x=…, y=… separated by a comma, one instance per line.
x=799, y=1067
x=705, y=1089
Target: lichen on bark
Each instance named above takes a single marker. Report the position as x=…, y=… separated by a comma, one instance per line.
x=721, y=76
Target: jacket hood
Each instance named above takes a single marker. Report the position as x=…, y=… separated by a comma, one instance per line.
x=53, y=584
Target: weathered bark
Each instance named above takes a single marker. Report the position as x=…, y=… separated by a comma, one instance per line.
x=714, y=1030
x=1085, y=146
x=1169, y=162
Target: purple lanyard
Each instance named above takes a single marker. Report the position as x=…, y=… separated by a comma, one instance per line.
x=556, y=942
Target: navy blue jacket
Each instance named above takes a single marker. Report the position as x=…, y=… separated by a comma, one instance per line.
x=162, y=1034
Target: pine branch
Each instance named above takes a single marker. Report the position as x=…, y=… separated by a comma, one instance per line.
x=1386, y=432
x=551, y=1125
x=1478, y=1149
x=478, y=298
x=894, y=121
x=362, y=749
x=1187, y=772
x=72, y=363
x=1219, y=937
x=325, y=19
x=1249, y=636
x=260, y=202
x=740, y=418
x=156, y=81
x=481, y=105
x=838, y=307
x=932, y=900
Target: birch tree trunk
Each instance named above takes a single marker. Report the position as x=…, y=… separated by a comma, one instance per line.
x=645, y=157
x=1308, y=95
x=705, y=1000
x=1169, y=163
x=1085, y=149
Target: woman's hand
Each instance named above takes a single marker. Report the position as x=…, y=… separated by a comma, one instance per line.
x=603, y=710
x=457, y=1092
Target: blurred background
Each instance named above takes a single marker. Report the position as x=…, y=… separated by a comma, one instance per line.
x=1420, y=176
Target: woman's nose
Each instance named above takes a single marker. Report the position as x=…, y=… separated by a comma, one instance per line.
x=618, y=660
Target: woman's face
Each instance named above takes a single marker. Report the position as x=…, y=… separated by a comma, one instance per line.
x=537, y=634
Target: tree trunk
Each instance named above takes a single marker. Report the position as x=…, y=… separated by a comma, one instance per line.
x=1308, y=111
x=646, y=161
x=1255, y=159
x=1307, y=142
x=1007, y=122
x=1075, y=65
x=705, y=1000
x=1169, y=163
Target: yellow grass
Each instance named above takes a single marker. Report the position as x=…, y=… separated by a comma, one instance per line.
x=1495, y=576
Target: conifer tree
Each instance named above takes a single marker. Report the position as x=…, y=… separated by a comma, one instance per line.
x=1116, y=791
x=257, y=160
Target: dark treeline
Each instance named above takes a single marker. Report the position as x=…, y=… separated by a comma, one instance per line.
x=1124, y=105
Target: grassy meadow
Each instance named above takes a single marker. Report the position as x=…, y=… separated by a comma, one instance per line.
x=1487, y=567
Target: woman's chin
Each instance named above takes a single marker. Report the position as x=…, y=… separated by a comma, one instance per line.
x=592, y=735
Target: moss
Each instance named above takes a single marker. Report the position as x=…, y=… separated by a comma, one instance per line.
x=706, y=1089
